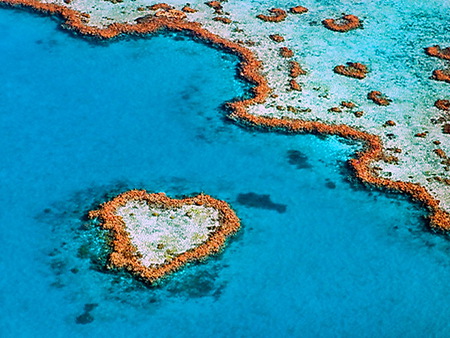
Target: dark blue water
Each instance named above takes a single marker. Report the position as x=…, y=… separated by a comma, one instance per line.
x=318, y=254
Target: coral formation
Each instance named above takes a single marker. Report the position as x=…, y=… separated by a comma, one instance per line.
x=171, y=14
x=162, y=6
x=446, y=128
x=436, y=51
x=440, y=153
x=298, y=10
x=216, y=5
x=442, y=105
x=441, y=75
x=294, y=85
x=378, y=98
x=125, y=255
x=390, y=123
x=286, y=52
x=295, y=69
x=353, y=69
x=250, y=68
x=276, y=38
x=344, y=24
x=277, y=15
x=348, y=104
x=188, y=9
x=222, y=19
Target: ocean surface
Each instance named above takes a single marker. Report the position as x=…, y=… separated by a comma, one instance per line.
x=319, y=254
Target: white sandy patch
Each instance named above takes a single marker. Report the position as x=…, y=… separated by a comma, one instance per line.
x=161, y=234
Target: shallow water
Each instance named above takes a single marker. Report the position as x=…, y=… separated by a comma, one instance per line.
x=318, y=254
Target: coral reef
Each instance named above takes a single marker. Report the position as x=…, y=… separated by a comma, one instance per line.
x=295, y=69
x=222, y=19
x=171, y=14
x=442, y=105
x=276, y=38
x=378, y=98
x=162, y=6
x=436, y=51
x=390, y=123
x=335, y=110
x=286, y=52
x=250, y=68
x=125, y=255
x=348, y=104
x=277, y=15
x=446, y=128
x=216, y=5
x=344, y=24
x=353, y=69
x=188, y=9
x=294, y=85
x=441, y=75
x=298, y=10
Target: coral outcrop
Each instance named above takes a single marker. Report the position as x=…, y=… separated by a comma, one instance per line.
x=276, y=38
x=286, y=52
x=250, y=68
x=352, y=69
x=344, y=24
x=277, y=15
x=378, y=98
x=295, y=69
x=125, y=255
x=436, y=51
x=441, y=75
x=298, y=10
x=442, y=105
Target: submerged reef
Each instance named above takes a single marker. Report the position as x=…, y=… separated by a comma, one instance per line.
x=352, y=69
x=344, y=24
x=442, y=105
x=378, y=98
x=154, y=235
x=272, y=104
x=277, y=15
x=441, y=75
x=436, y=51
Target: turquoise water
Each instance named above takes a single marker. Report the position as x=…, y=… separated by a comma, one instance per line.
x=319, y=255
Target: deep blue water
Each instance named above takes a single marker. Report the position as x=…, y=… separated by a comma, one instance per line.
x=80, y=122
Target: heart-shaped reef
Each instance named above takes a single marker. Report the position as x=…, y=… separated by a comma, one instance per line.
x=154, y=235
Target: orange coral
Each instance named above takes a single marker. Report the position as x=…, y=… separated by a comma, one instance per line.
x=390, y=123
x=163, y=6
x=441, y=75
x=298, y=10
x=286, y=52
x=446, y=128
x=348, y=104
x=250, y=70
x=188, y=9
x=378, y=98
x=344, y=24
x=436, y=51
x=222, y=19
x=353, y=69
x=440, y=153
x=442, y=105
x=294, y=85
x=295, y=69
x=216, y=5
x=276, y=38
x=277, y=15
x=125, y=255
